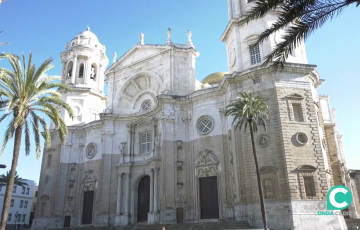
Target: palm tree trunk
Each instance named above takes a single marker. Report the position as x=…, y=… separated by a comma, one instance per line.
x=262, y=204
x=10, y=185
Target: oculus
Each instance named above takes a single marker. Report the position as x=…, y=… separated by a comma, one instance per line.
x=91, y=150
x=205, y=125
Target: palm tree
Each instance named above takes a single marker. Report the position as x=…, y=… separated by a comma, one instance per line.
x=4, y=180
x=298, y=18
x=250, y=111
x=28, y=92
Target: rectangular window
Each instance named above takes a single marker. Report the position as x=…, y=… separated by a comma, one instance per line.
x=23, y=190
x=27, y=191
x=9, y=217
x=12, y=203
x=255, y=54
x=25, y=204
x=36, y=193
x=268, y=188
x=309, y=186
x=145, y=143
x=21, y=203
x=49, y=161
x=23, y=217
x=297, y=112
x=14, y=189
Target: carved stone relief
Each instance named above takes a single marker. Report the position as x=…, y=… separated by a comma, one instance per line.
x=89, y=181
x=206, y=164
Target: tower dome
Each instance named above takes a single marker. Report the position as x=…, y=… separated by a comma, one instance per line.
x=214, y=78
x=86, y=34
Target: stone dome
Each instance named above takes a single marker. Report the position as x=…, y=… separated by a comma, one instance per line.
x=214, y=78
x=88, y=34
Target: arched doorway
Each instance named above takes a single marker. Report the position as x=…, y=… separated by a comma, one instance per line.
x=143, y=206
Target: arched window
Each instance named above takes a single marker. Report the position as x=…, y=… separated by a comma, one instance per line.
x=255, y=54
x=69, y=69
x=93, y=71
x=81, y=71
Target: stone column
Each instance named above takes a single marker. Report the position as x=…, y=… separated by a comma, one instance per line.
x=156, y=209
x=129, y=141
x=230, y=9
x=237, y=8
x=74, y=70
x=63, y=71
x=98, y=78
x=352, y=208
x=86, y=67
x=88, y=71
x=127, y=199
x=151, y=190
x=118, y=200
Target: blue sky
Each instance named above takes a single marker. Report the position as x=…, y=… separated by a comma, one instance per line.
x=44, y=26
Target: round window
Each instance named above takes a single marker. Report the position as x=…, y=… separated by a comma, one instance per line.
x=205, y=125
x=146, y=105
x=91, y=150
x=301, y=138
x=263, y=141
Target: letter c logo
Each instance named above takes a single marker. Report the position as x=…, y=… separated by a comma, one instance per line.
x=332, y=197
x=343, y=199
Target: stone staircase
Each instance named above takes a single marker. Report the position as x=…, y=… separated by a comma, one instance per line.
x=352, y=223
x=187, y=226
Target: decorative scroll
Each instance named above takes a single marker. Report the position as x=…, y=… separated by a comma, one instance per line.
x=89, y=181
x=206, y=164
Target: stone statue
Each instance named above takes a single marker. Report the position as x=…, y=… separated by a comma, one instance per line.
x=189, y=34
x=66, y=46
x=114, y=57
x=169, y=35
x=92, y=73
x=141, y=39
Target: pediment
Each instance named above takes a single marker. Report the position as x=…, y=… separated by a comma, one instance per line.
x=306, y=168
x=45, y=197
x=268, y=169
x=143, y=121
x=295, y=96
x=135, y=55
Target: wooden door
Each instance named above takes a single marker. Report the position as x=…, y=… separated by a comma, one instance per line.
x=180, y=215
x=67, y=221
x=88, y=207
x=209, y=205
x=143, y=206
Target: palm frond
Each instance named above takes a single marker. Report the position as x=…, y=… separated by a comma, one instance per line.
x=298, y=18
x=28, y=89
x=27, y=138
x=9, y=133
x=247, y=110
x=4, y=180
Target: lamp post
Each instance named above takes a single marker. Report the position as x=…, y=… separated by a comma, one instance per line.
x=16, y=216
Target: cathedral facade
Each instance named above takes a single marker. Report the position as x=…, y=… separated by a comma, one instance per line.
x=159, y=148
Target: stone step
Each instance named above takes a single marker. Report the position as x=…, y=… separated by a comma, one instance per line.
x=352, y=223
x=187, y=226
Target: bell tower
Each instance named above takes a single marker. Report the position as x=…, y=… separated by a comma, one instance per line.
x=83, y=66
x=239, y=37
